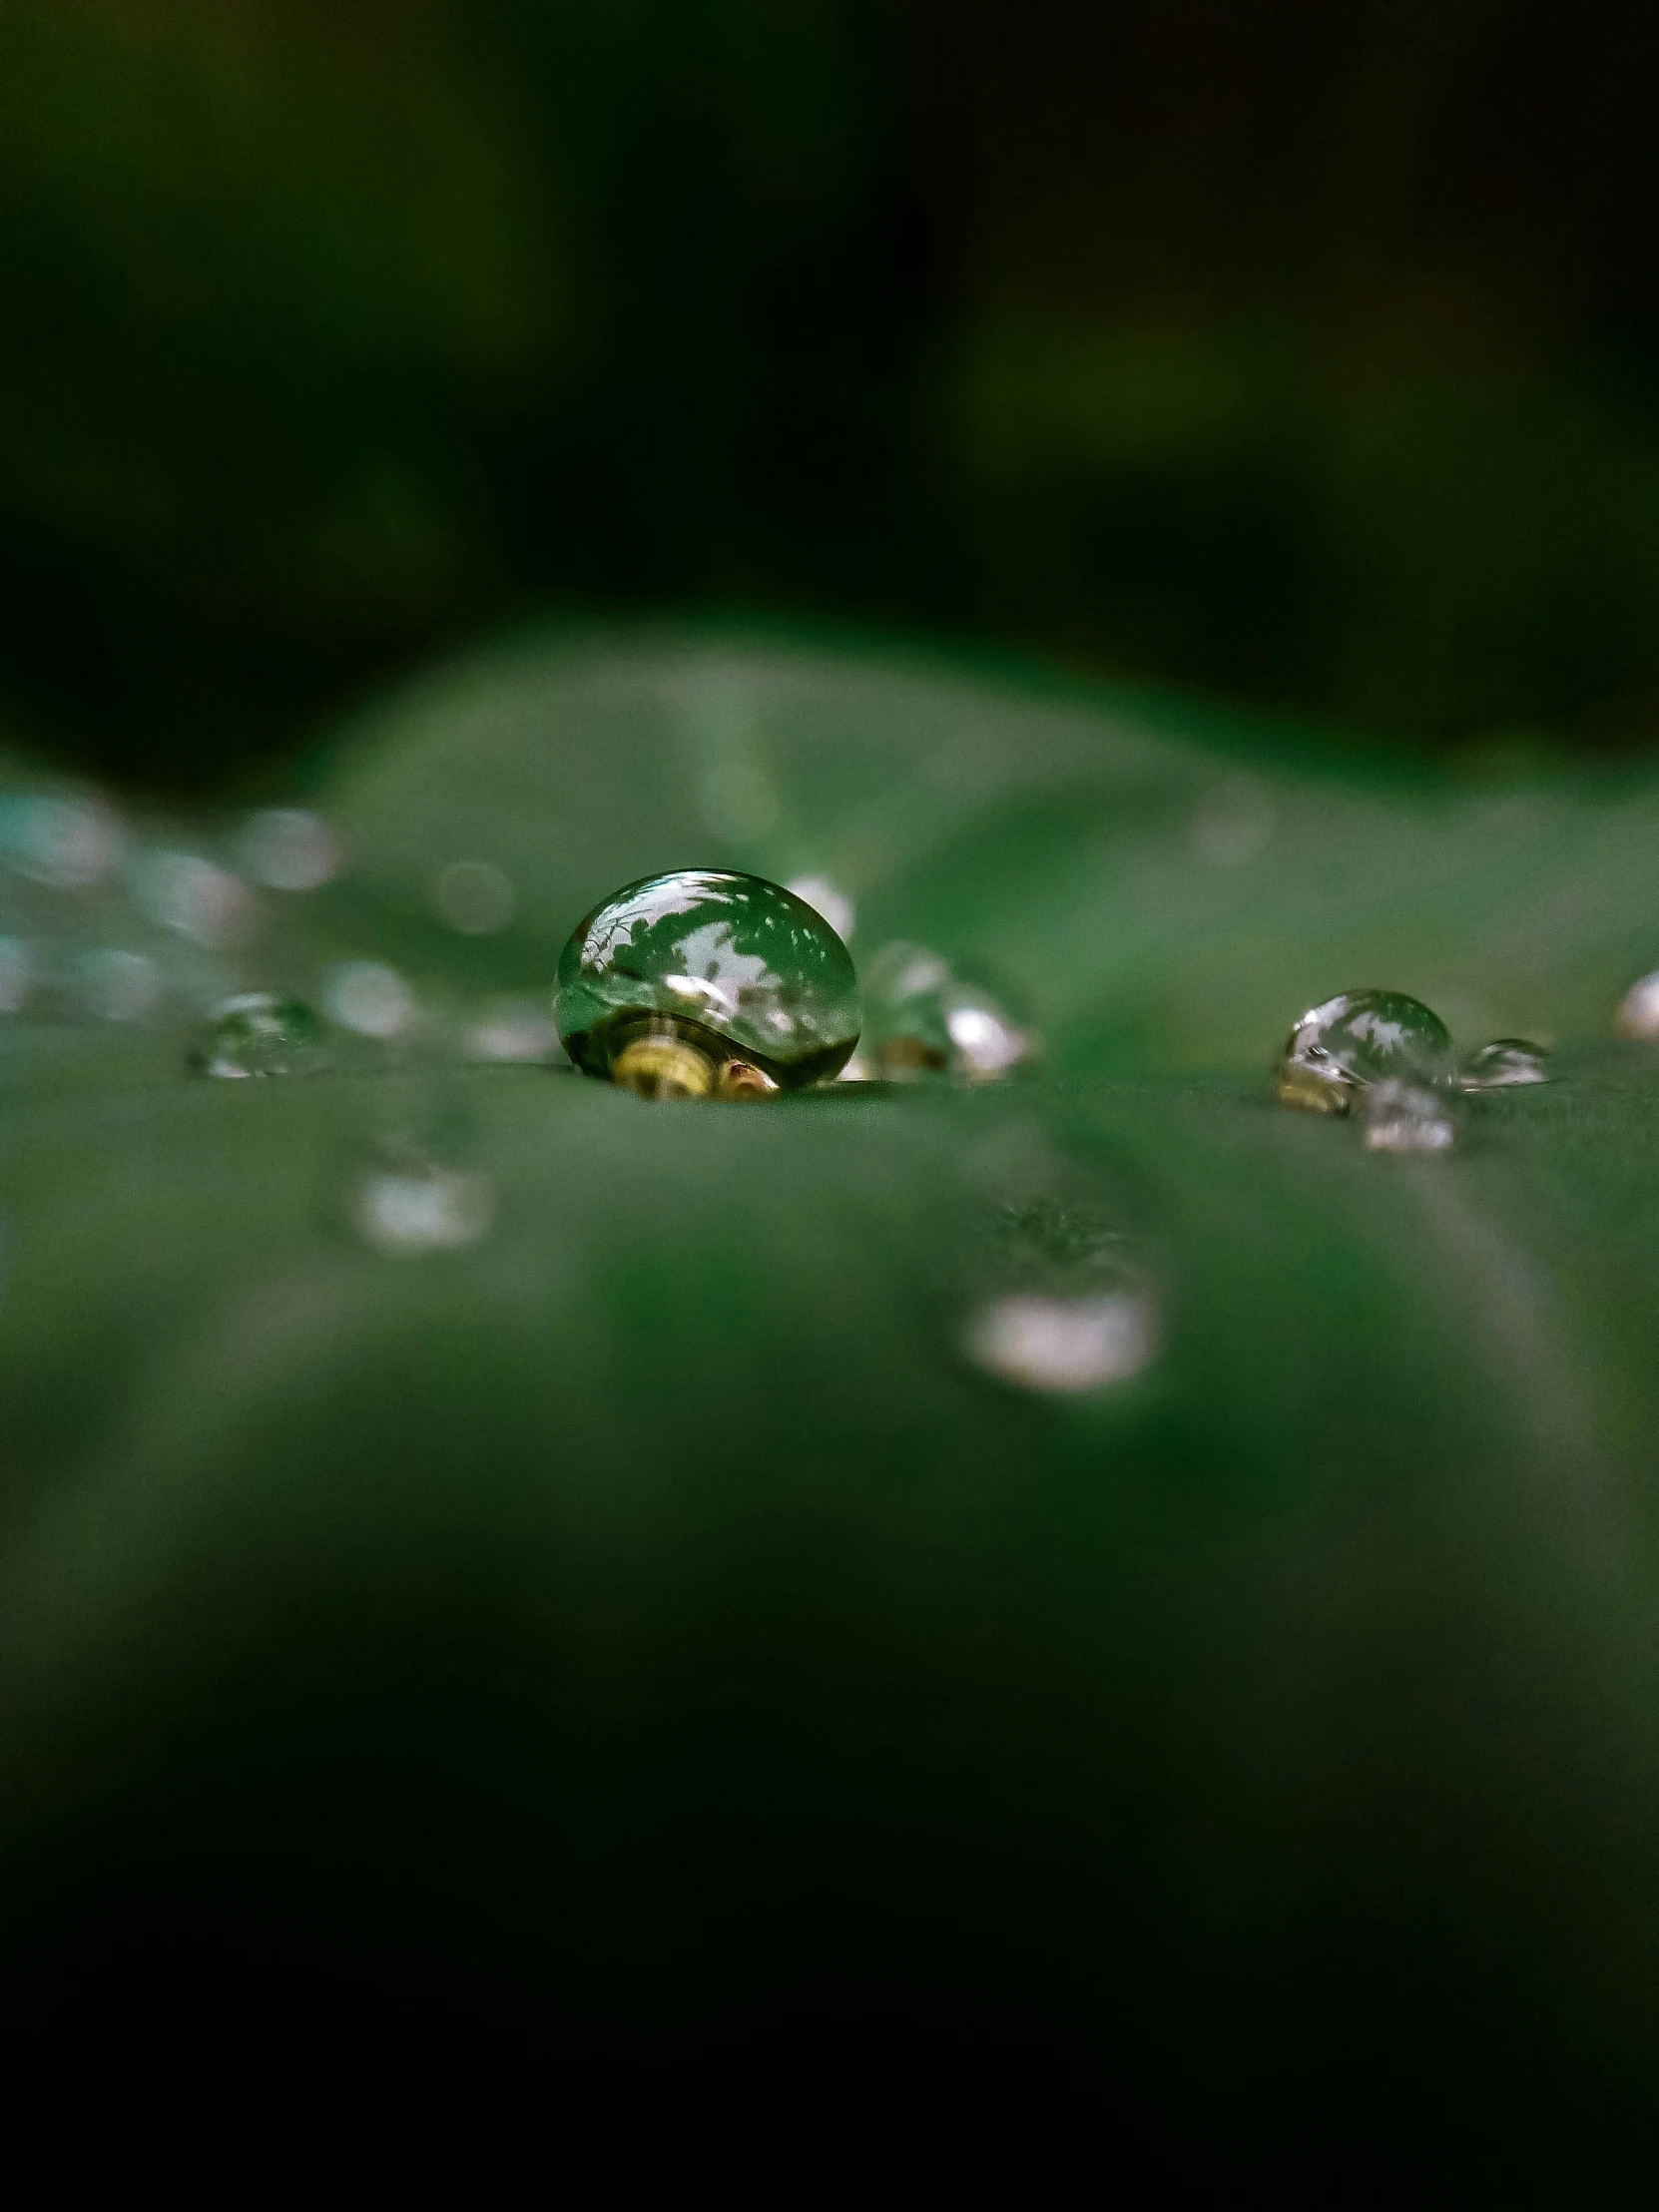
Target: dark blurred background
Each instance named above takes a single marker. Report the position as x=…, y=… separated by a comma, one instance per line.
x=1300, y=353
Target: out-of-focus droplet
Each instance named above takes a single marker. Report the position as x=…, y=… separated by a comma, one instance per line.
x=257, y=1033
x=475, y=897
x=287, y=850
x=1506, y=1062
x=1063, y=1344
x=70, y=844
x=925, y=1019
x=118, y=985
x=1638, y=1012
x=413, y=1205
x=191, y=896
x=369, y=997
x=16, y=971
x=706, y=983
x=510, y=1028
x=1408, y=1117
x=834, y=905
x=1231, y=823
x=1355, y=1039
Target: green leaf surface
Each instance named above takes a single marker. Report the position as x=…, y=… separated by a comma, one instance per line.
x=642, y=1628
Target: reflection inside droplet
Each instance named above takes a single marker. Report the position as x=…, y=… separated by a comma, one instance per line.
x=475, y=897
x=1408, y=1117
x=370, y=998
x=417, y=1207
x=289, y=850
x=1063, y=1344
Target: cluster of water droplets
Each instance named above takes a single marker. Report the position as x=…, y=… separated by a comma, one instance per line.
x=1387, y=1059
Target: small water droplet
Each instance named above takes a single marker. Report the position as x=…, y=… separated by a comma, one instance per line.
x=369, y=997
x=475, y=897
x=1355, y=1039
x=411, y=1206
x=1408, y=1117
x=925, y=1019
x=289, y=849
x=1638, y=1013
x=257, y=1033
x=1063, y=1344
x=834, y=905
x=1504, y=1062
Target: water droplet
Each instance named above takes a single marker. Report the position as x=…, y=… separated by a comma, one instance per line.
x=369, y=997
x=1504, y=1062
x=191, y=896
x=117, y=985
x=1063, y=1344
x=411, y=1206
x=510, y=1028
x=1638, y=1014
x=256, y=1033
x=697, y=984
x=1408, y=1117
x=834, y=905
x=475, y=897
x=289, y=850
x=1358, y=1038
x=926, y=1019
x=67, y=842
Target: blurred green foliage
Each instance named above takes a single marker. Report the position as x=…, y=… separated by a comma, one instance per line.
x=1304, y=357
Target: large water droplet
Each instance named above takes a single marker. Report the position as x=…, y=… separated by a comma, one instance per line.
x=706, y=983
x=926, y=1019
x=1504, y=1062
x=1408, y=1117
x=1358, y=1038
x=255, y=1034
